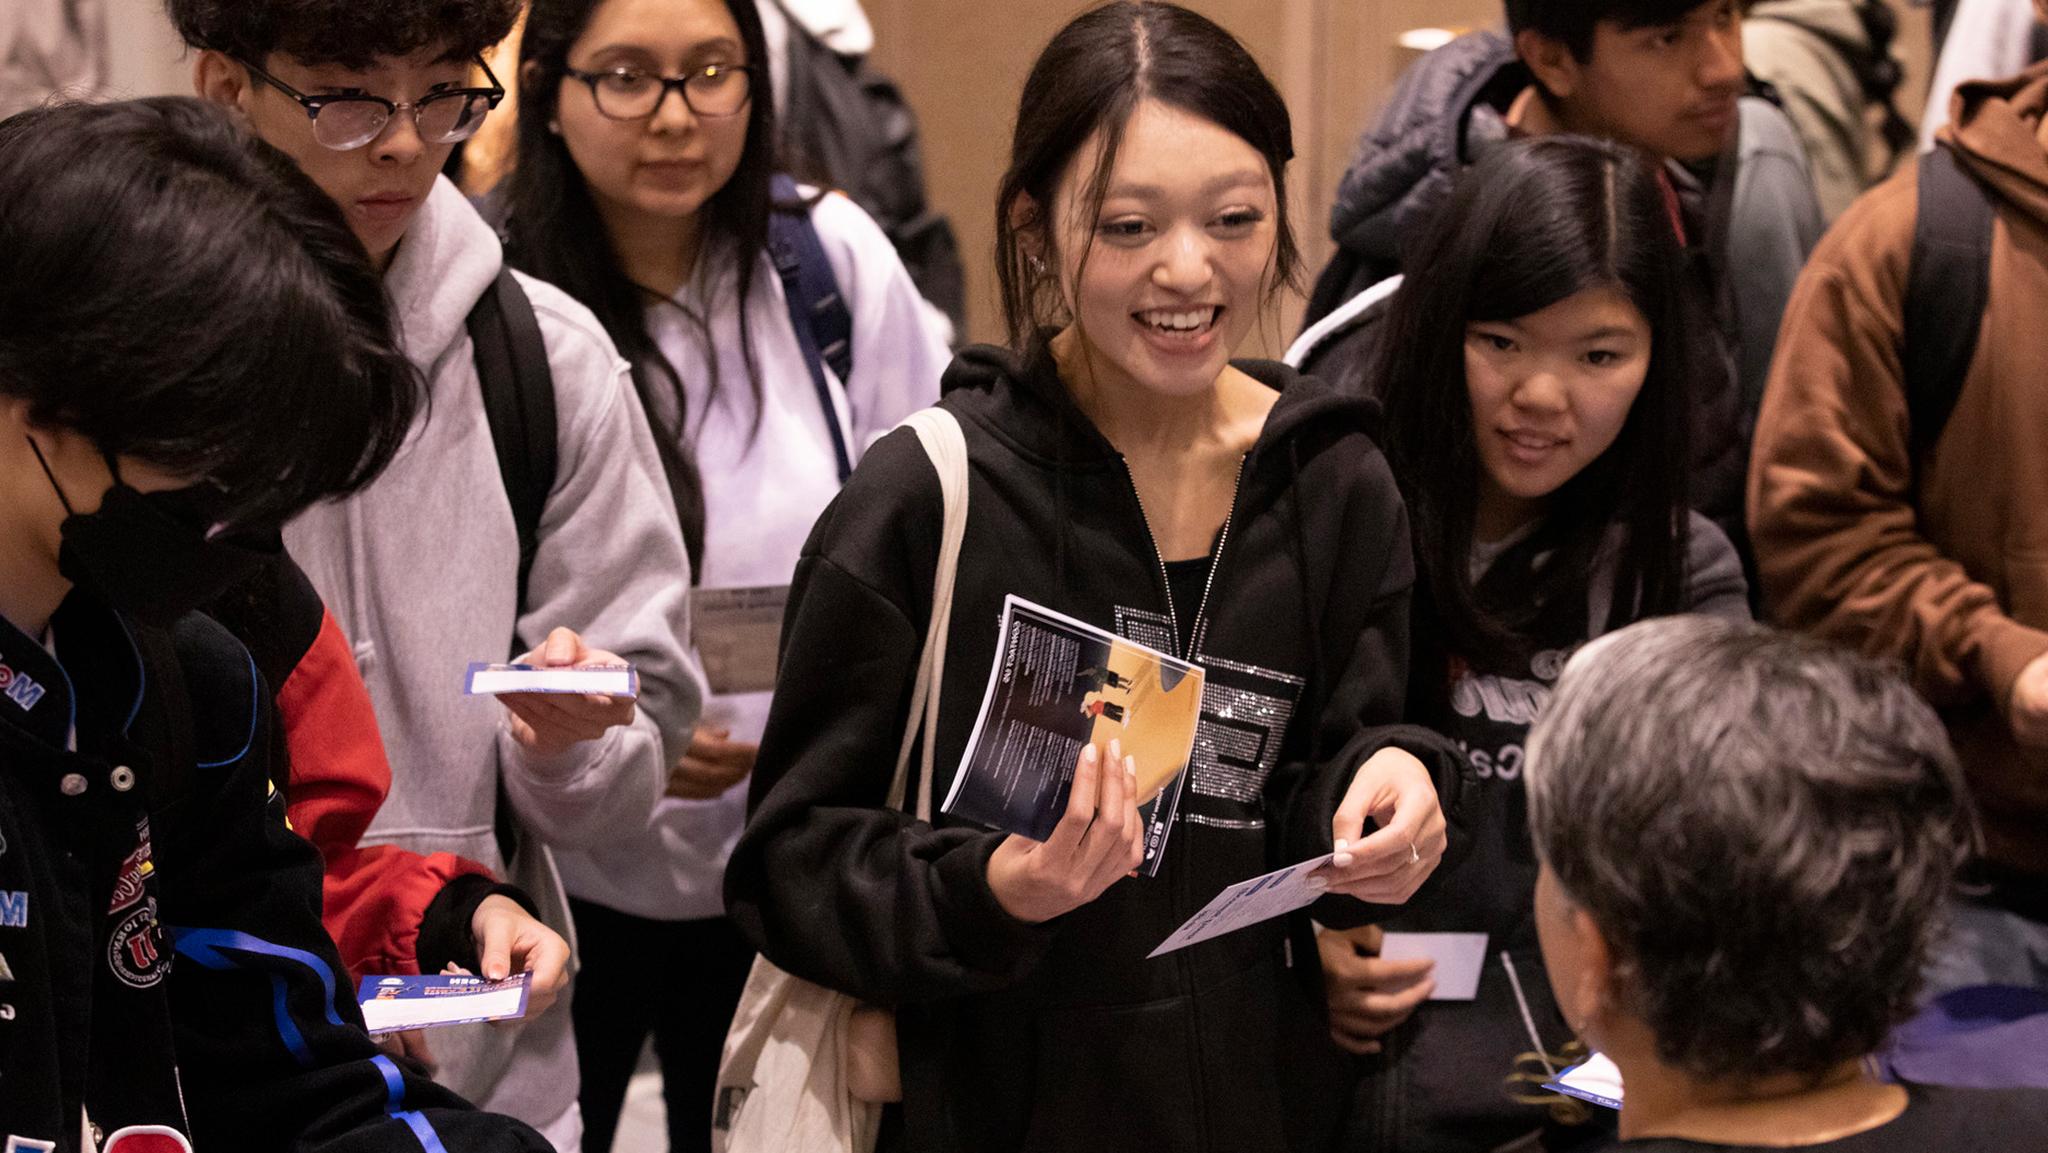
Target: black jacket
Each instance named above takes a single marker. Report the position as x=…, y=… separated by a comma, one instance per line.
x=161, y=833
x=1062, y=1035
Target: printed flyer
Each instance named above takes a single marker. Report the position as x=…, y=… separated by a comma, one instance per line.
x=1058, y=685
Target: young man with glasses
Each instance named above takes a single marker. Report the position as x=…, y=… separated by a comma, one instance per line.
x=424, y=569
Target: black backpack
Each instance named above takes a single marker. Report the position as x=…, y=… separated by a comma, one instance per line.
x=519, y=390
x=848, y=127
x=1948, y=284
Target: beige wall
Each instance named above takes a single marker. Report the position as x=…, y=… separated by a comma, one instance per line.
x=961, y=63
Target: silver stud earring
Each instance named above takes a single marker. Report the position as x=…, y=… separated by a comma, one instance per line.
x=1037, y=264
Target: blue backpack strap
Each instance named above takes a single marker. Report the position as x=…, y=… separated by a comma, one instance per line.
x=817, y=312
x=1948, y=282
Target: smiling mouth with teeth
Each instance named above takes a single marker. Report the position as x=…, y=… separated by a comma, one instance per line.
x=1188, y=320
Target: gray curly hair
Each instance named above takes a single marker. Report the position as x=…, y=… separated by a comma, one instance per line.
x=1764, y=828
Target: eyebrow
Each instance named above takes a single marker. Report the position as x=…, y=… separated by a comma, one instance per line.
x=720, y=44
x=1609, y=332
x=1222, y=182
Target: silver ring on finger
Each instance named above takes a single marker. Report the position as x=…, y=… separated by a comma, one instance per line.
x=1414, y=857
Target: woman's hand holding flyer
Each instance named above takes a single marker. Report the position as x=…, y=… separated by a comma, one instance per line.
x=1395, y=790
x=1098, y=840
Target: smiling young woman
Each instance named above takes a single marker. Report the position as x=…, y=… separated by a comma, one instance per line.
x=1124, y=471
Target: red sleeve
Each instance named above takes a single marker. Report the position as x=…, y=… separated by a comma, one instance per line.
x=374, y=896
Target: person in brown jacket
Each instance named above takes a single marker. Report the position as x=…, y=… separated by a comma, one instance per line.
x=1938, y=558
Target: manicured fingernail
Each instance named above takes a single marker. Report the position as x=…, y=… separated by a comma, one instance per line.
x=1131, y=767
x=1339, y=846
x=1341, y=860
x=1316, y=883
x=1090, y=755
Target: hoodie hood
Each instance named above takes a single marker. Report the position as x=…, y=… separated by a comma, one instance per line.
x=1996, y=130
x=1446, y=108
x=448, y=258
x=1020, y=399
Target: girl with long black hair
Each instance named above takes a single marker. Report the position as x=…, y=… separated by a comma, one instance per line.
x=642, y=186
x=1123, y=470
x=1535, y=367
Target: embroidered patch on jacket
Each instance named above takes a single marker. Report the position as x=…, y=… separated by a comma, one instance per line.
x=135, y=948
x=133, y=881
x=13, y=909
x=146, y=1139
x=19, y=687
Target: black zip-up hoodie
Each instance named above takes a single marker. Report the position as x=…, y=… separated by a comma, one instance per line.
x=1062, y=1035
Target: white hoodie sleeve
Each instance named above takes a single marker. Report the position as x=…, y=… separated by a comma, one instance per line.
x=611, y=565
x=898, y=352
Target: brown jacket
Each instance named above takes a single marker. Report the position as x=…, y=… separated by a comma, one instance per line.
x=1949, y=575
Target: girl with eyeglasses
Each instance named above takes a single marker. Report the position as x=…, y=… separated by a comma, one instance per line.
x=642, y=184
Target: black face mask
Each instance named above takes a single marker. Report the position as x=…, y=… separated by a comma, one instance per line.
x=152, y=556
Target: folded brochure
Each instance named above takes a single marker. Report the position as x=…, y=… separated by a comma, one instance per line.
x=1058, y=685
x=1246, y=903
x=737, y=631
x=394, y=1004
x=486, y=679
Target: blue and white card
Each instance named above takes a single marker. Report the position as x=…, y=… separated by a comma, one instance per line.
x=1596, y=1079
x=395, y=1004
x=486, y=679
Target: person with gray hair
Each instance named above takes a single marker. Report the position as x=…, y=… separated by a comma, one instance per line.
x=1746, y=841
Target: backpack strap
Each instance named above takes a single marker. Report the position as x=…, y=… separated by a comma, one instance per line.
x=519, y=403
x=1948, y=283
x=817, y=312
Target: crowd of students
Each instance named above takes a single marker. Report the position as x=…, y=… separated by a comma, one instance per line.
x=292, y=431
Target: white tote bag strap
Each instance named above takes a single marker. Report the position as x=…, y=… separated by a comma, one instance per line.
x=943, y=441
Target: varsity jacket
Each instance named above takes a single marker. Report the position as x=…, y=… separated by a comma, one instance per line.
x=389, y=910
x=1062, y=1035
x=137, y=819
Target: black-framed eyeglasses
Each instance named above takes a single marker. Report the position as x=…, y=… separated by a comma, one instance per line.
x=635, y=94
x=349, y=122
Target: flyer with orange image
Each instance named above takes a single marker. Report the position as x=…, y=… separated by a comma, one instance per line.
x=1058, y=685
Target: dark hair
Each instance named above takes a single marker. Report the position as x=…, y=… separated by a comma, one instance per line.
x=1572, y=22
x=351, y=33
x=1090, y=78
x=1534, y=222
x=553, y=231
x=1765, y=829
x=179, y=291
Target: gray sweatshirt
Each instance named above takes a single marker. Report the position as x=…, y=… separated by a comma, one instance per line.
x=421, y=572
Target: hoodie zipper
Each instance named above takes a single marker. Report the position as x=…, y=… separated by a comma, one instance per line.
x=1215, y=559
x=1182, y=962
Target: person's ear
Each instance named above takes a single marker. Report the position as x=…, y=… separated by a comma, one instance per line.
x=1550, y=60
x=218, y=79
x=1594, y=984
x=1029, y=225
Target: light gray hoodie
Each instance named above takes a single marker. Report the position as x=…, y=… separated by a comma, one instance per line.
x=421, y=571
